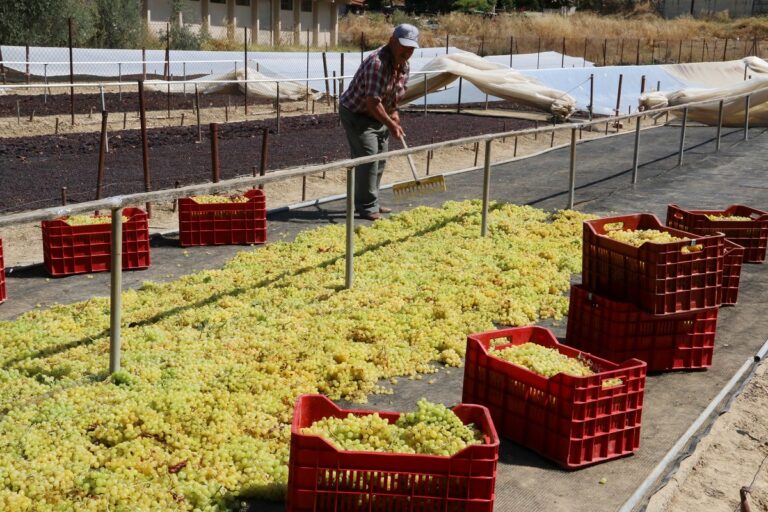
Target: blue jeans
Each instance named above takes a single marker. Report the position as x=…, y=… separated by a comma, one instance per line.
x=366, y=136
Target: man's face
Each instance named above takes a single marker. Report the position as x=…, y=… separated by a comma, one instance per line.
x=400, y=52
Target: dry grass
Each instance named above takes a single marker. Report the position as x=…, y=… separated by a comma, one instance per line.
x=492, y=36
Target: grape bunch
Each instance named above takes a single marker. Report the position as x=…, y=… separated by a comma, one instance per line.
x=212, y=199
x=545, y=361
x=432, y=429
x=89, y=220
x=638, y=237
x=723, y=217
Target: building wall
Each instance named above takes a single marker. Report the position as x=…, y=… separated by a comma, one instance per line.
x=257, y=18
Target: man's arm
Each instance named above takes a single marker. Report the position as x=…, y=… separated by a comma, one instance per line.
x=377, y=111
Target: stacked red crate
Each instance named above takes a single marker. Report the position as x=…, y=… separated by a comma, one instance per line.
x=619, y=330
x=323, y=478
x=658, y=278
x=752, y=235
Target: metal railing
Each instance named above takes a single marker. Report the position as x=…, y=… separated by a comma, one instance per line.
x=117, y=203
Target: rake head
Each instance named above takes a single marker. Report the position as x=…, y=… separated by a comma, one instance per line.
x=430, y=185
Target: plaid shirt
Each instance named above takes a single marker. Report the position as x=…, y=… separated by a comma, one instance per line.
x=376, y=77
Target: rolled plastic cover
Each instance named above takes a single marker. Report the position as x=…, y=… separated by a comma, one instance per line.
x=728, y=79
x=268, y=89
x=493, y=79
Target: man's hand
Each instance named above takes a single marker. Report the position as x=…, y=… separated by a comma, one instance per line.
x=392, y=121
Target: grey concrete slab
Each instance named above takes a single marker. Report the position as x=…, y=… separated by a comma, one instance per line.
x=737, y=174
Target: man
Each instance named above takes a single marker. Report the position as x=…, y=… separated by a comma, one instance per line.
x=369, y=113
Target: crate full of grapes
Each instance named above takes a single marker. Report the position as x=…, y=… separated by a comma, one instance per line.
x=2, y=274
x=742, y=225
x=569, y=406
x=635, y=258
x=431, y=460
x=619, y=330
x=80, y=244
x=223, y=220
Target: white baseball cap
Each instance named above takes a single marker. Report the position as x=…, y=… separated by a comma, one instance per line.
x=407, y=35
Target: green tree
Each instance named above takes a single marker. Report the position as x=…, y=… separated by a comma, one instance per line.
x=44, y=22
x=474, y=5
x=118, y=24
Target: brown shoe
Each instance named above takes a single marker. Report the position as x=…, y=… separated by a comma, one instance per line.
x=370, y=216
x=384, y=209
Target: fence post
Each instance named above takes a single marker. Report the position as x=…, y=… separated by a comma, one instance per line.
x=637, y=53
x=144, y=144
x=746, y=117
x=682, y=137
x=591, y=95
x=115, y=290
x=71, y=76
x=245, y=66
x=458, y=106
x=572, y=178
x=486, y=188
x=215, y=170
x=277, y=107
x=197, y=107
x=636, y=157
x=264, y=149
x=348, y=268
x=719, y=126
x=425, y=93
x=102, y=151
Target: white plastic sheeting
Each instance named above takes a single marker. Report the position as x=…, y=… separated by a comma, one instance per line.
x=718, y=80
x=494, y=79
x=234, y=82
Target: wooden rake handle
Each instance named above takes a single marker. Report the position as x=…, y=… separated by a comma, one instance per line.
x=410, y=160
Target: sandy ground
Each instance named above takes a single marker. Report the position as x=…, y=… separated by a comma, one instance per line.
x=731, y=456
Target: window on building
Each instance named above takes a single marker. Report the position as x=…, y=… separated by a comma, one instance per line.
x=246, y=3
x=286, y=5
x=306, y=5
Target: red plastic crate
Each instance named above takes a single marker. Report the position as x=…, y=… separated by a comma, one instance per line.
x=574, y=421
x=71, y=250
x=732, y=258
x=323, y=478
x=619, y=330
x=2, y=274
x=223, y=223
x=752, y=236
x=657, y=278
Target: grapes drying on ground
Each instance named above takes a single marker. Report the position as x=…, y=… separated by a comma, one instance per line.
x=212, y=363
x=432, y=429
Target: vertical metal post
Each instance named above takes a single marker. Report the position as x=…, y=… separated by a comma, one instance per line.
x=264, y=150
x=71, y=76
x=572, y=185
x=277, y=107
x=682, y=137
x=719, y=126
x=184, y=75
x=144, y=144
x=245, y=68
x=618, y=97
x=458, y=106
x=197, y=107
x=102, y=151
x=425, y=93
x=591, y=94
x=45, y=78
x=538, y=54
x=636, y=157
x=746, y=117
x=115, y=290
x=642, y=84
x=348, y=271
x=215, y=170
x=511, y=49
x=486, y=188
